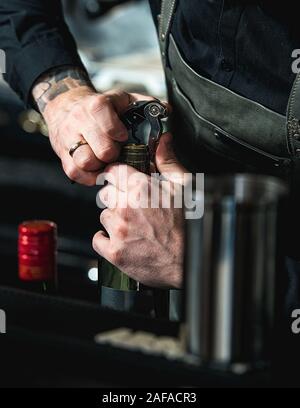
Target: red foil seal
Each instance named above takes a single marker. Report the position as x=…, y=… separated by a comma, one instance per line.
x=37, y=247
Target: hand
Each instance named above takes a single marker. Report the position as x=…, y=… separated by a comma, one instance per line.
x=74, y=112
x=147, y=244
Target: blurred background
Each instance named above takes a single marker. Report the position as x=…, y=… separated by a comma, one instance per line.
x=33, y=185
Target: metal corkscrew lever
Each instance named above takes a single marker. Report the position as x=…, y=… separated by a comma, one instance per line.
x=152, y=112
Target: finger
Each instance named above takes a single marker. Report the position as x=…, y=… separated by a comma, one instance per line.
x=101, y=244
x=115, y=225
x=105, y=117
x=110, y=220
x=85, y=159
x=112, y=198
x=76, y=174
x=105, y=219
x=121, y=100
x=122, y=176
x=166, y=160
x=104, y=149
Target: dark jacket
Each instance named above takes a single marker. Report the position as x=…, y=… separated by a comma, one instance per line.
x=245, y=45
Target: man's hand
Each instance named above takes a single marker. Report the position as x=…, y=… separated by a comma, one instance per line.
x=145, y=243
x=75, y=112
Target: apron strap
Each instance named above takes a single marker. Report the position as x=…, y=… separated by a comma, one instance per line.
x=293, y=120
x=165, y=22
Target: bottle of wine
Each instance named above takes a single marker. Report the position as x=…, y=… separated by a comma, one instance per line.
x=117, y=290
x=37, y=249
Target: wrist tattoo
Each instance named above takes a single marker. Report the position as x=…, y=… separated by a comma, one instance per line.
x=57, y=82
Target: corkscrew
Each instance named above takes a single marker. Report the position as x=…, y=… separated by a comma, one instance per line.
x=139, y=113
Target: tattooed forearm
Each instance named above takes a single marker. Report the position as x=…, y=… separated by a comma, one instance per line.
x=57, y=82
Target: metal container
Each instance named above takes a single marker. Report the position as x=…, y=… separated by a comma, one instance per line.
x=232, y=257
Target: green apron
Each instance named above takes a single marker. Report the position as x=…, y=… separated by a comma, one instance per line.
x=216, y=130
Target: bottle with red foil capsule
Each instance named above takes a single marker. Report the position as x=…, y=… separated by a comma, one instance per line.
x=37, y=247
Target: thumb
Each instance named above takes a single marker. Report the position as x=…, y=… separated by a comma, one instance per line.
x=121, y=100
x=101, y=244
x=166, y=160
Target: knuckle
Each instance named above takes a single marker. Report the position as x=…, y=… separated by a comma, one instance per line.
x=78, y=112
x=98, y=102
x=122, y=231
x=108, y=154
x=95, y=243
x=111, y=130
x=115, y=93
x=123, y=213
x=103, y=195
x=64, y=128
x=84, y=162
x=141, y=186
x=103, y=217
x=118, y=91
x=90, y=182
x=116, y=256
x=144, y=184
x=72, y=173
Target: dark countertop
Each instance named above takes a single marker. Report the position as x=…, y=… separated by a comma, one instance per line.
x=49, y=343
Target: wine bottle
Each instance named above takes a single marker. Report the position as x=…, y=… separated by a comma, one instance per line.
x=37, y=251
x=117, y=290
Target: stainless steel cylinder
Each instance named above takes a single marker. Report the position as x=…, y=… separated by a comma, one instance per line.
x=232, y=255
